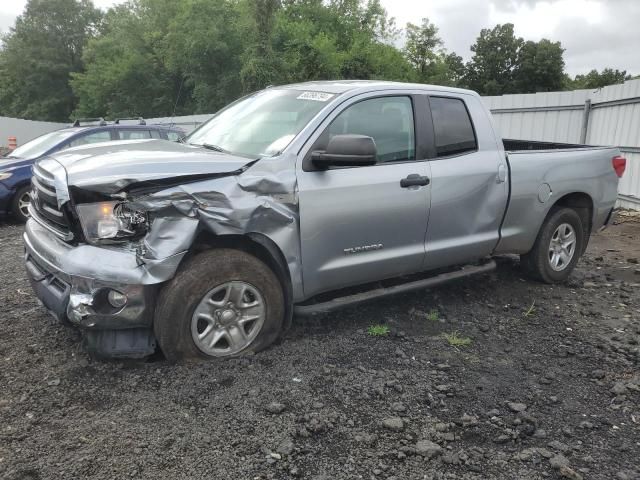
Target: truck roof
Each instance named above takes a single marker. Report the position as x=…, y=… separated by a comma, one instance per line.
x=343, y=86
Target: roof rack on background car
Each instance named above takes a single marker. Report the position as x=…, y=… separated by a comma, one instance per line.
x=78, y=122
x=140, y=120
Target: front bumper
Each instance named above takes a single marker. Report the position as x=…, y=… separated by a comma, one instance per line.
x=73, y=281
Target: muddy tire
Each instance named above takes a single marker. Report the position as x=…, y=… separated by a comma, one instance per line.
x=221, y=303
x=19, y=204
x=558, y=247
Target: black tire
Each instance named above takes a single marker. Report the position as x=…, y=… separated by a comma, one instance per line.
x=16, y=211
x=537, y=262
x=200, y=274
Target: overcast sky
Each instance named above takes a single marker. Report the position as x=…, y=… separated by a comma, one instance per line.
x=595, y=33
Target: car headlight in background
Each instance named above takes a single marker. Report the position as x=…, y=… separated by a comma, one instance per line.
x=110, y=221
x=5, y=175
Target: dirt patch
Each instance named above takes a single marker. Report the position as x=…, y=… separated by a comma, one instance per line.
x=549, y=387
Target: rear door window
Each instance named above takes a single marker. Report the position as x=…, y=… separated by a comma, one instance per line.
x=136, y=134
x=95, y=137
x=174, y=136
x=452, y=125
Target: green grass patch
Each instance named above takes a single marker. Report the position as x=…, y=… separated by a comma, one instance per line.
x=378, y=330
x=433, y=316
x=455, y=340
x=531, y=310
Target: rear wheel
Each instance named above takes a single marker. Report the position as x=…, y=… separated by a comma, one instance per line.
x=222, y=303
x=20, y=204
x=557, y=248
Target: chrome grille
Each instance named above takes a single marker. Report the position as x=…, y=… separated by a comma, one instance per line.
x=44, y=204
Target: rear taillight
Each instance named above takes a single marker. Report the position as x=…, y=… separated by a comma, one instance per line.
x=619, y=165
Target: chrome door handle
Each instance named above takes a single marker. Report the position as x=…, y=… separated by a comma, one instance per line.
x=414, y=180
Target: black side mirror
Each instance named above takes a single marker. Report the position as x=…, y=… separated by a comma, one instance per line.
x=346, y=151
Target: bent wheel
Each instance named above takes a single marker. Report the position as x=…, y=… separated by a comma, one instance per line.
x=221, y=303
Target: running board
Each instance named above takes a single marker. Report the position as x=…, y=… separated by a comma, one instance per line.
x=357, y=298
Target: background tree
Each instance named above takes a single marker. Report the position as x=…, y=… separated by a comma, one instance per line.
x=430, y=61
x=261, y=67
x=153, y=55
x=38, y=55
x=503, y=63
x=595, y=79
x=495, y=58
x=422, y=46
x=540, y=67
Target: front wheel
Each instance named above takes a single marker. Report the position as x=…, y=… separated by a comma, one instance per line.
x=557, y=248
x=20, y=204
x=222, y=303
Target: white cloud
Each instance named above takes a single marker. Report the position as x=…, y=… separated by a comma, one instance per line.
x=594, y=33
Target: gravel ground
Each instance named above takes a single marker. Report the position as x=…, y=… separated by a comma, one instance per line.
x=549, y=387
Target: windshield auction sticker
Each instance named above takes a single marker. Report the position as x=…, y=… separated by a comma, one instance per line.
x=315, y=96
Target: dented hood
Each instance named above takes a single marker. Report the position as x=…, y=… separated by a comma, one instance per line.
x=114, y=166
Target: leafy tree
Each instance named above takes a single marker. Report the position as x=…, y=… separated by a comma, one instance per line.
x=430, y=61
x=261, y=66
x=337, y=39
x=40, y=52
x=503, y=63
x=595, y=79
x=491, y=69
x=540, y=67
x=153, y=55
x=422, y=46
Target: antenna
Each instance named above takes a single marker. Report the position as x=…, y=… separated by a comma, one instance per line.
x=175, y=105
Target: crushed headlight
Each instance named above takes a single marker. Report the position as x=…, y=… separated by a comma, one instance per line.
x=110, y=221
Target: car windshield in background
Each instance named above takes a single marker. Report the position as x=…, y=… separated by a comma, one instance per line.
x=40, y=145
x=262, y=124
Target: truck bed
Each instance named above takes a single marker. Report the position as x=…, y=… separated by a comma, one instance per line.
x=512, y=145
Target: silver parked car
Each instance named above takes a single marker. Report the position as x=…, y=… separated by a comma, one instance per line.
x=300, y=199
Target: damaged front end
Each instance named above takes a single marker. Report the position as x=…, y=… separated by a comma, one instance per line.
x=129, y=233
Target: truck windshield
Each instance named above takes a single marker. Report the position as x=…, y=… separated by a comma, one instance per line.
x=262, y=124
x=36, y=147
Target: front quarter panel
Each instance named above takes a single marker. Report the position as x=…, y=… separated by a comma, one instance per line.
x=260, y=200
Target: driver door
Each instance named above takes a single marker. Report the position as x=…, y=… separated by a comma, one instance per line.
x=359, y=224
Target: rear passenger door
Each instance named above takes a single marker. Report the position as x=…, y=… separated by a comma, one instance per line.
x=469, y=184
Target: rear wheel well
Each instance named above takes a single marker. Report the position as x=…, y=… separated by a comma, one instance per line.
x=259, y=246
x=583, y=205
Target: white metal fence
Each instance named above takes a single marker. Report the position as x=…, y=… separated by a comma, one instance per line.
x=24, y=130
x=608, y=116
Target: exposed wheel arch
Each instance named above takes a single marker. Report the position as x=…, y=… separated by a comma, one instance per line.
x=261, y=247
x=582, y=203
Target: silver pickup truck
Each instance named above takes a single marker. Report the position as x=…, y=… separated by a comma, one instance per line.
x=296, y=200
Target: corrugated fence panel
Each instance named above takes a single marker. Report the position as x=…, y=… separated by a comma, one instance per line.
x=24, y=130
x=614, y=119
x=553, y=116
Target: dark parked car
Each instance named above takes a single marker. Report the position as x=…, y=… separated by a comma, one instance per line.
x=15, y=168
